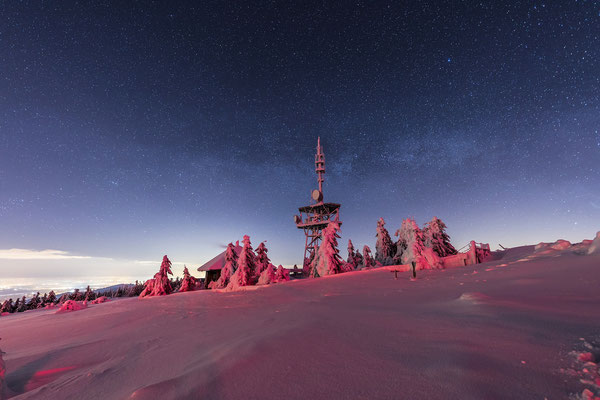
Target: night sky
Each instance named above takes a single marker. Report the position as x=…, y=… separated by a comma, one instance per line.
x=129, y=130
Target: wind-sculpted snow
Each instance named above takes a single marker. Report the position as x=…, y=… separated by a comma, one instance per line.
x=504, y=329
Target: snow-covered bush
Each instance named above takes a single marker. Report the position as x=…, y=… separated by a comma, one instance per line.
x=72, y=305
x=327, y=260
x=188, y=282
x=160, y=284
x=268, y=275
x=436, y=238
x=433, y=260
x=384, y=247
x=244, y=275
x=101, y=299
x=282, y=274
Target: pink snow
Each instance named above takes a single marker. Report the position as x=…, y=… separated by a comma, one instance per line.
x=72, y=305
x=356, y=335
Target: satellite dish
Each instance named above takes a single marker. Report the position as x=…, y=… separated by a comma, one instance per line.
x=317, y=195
x=297, y=219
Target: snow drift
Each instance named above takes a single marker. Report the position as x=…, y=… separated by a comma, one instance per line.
x=501, y=329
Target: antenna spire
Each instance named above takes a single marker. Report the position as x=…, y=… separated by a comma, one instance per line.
x=320, y=165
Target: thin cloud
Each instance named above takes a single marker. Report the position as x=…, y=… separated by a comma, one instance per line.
x=27, y=254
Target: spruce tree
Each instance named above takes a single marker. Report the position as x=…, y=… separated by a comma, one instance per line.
x=52, y=297
x=244, y=275
x=34, y=302
x=282, y=274
x=262, y=259
x=188, y=283
x=328, y=260
x=160, y=285
x=384, y=247
x=267, y=276
x=358, y=259
x=23, y=305
x=436, y=238
x=228, y=269
x=410, y=238
x=7, y=306
x=368, y=258
x=351, y=255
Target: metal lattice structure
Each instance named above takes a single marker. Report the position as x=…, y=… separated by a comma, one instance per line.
x=315, y=217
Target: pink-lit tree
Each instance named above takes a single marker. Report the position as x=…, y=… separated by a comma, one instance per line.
x=410, y=242
x=368, y=258
x=384, y=247
x=327, y=260
x=436, y=238
x=188, y=283
x=262, y=259
x=160, y=284
x=228, y=269
x=282, y=274
x=268, y=275
x=244, y=275
x=351, y=260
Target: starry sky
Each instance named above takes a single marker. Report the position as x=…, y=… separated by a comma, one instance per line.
x=129, y=130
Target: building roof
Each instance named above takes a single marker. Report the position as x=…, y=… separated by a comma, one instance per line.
x=218, y=261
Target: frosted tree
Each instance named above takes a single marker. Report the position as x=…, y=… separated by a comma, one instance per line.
x=228, y=269
x=351, y=260
x=262, y=259
x=368, y=258
x=188, y=283
x=268, y=276
x=7, y=306
x=327, y=260
x=22, y=305
x=52, y=297
x=410, y=238
x=244, y=275
x=282, y=274
x=358, y=259
x=160, y=285
x=436, y=238
x=384, y=247
x=34, y=302
x=89, y=294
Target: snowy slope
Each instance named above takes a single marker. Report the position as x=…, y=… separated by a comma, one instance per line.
x=503, y=329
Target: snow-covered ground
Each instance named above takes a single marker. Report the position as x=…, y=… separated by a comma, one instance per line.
x=525, y=326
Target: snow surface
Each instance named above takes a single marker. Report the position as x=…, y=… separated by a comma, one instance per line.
x=511, y=328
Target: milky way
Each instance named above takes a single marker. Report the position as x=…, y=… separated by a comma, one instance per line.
x=134, y=129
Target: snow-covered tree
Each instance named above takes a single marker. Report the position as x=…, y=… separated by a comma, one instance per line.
x=7, y=306
x=262, y=259
x=34, y=302
x=384, y=247
x=327, y=260
x=160, y=284
x=76, y=295
x=282, y=274
x=244, y=275
x=368, y=258
x=188, y=283
x=308, y=261
x=358, y=259
x=410, y=240
x=89, y=294
x=351, y=260
x=22, y=305
x=228, y=269
x=436, y=238
x=52, y=297
x=268, y=275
